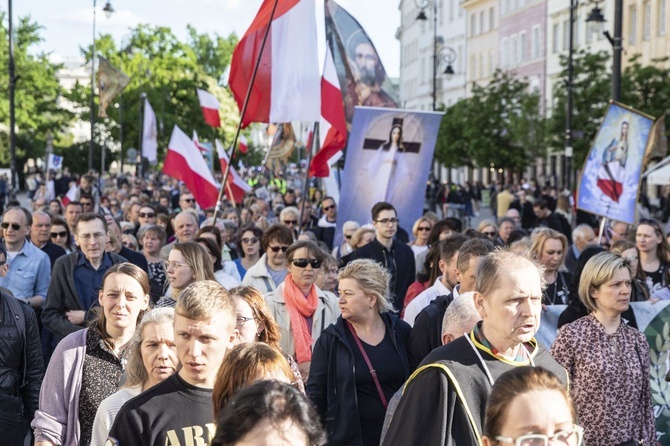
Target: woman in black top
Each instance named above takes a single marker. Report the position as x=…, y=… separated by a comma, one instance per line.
x=359, y=362
x=549, y=248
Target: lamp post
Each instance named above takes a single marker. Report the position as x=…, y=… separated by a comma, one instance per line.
x=108, y=13
x=596, y=18
x=12, y=109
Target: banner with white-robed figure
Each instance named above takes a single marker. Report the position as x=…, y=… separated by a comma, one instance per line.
x=388, y=158
x=610, y=180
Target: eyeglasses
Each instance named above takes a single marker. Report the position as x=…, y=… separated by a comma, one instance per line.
x=327, y=208
x=147, y=215
x=174, y=265
x=489, y=234
x=59, y=234
x=276, y=249
x=423, y=228
x=15, y=226
x=290, y=222
x=386, y=221
x=241, y=320
x=572, y=437
x=302, y=263
x=249, y=241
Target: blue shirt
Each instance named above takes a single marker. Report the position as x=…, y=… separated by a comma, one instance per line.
x=29, y=273
x=88, y=280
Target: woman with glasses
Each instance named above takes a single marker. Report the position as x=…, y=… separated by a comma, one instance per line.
x=420, y=231
x=607, y=360
x=348, y=230
x=528, y=406
x=248, y=242
x=300, y=308
x=361, y=360
x=488, y=228
x=654, y=255
x=549, y=248
x=153, y=239
x=270, y=270
x=60, y=234
x=188, y=262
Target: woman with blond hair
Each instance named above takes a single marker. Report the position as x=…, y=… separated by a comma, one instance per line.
x=361, y=360
x=488, y=228
x=188, y=262
x=549, y=248
x=152, y=359
x=420, y=231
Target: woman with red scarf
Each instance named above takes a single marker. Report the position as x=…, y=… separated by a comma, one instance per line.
x=300, y=308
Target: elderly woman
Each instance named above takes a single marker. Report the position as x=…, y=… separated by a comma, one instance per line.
x=153, y=358
x=188, y=262
x=300, y=308
x=361, y=360
x=87, y=365
x=549, y=248
x=326, y=280
x=608, y=361
x=348, y=230
x=270, y=270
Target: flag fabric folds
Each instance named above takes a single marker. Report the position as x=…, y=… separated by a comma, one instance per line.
x=243, y=144
x=149, y=133
x=210, y=108
x=203, y=148
x=71, y=195
x=286, y=87
x=333, y=127
x=111, y=82
x=236, y=187
x=184, y=162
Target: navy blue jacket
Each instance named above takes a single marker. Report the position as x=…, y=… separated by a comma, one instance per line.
x=332, y=383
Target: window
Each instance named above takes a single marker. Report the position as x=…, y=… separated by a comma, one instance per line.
x=662, y=19
x=482, y=21
x=473, y=66
x=535, y=45
x=492, y=61
x=522, y=47
x=473, y=25
x=555, y=38
x=492, y=18
x=482, y=65
x=503, y=53
x=647, y=21
x=632, y=38
x=505, y=7
x=513, y=59
x=566, y=34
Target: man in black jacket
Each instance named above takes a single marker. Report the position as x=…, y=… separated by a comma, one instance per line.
x=21, y=366
x=395, y=256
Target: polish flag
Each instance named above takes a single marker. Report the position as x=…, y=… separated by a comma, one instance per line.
x=71, y=195
x=203, y=149
x=243, y=145
x=236, y=187
x=610, y=179
x=185, y=163
x=210, y=108
x=333, y=127
x=286, y=87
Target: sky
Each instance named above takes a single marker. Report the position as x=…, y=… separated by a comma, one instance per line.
x=68, y=23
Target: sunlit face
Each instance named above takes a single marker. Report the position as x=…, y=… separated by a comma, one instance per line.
x=186, y=201
x=122, y=299
x=276, y=255
x=552, y=254
x=613, y=296
x=147, y=216
x=386, y=224
x=330, y=209
x=646, y=238
x=16, y=224
x=250, y=244
x=151, y=243
x=40, y=230
x=179, y=273
x=72, y=213
x=54, y=207
x=159, y=353
x=91, y=237
x=423, y=232
x=201, y=347
x=354, y=303
x=449, y=272
x=490, y=232
x=58, y=235
x=327, y=277
x=303, y=277
x=185, y=227
x=247, y=325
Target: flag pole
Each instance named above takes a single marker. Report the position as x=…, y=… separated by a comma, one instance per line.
x=315, y=138
x=217, y=209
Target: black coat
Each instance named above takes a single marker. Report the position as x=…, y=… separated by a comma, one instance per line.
x=427, y=330
x=332, y=383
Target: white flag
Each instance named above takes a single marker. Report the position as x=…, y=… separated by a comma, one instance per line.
x=149, y=133
x=54, y=162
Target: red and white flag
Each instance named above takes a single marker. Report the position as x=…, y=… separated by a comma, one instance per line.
x=236, y=187
x=71, y=195
x=333, y=126
x=243, y=145
x=286, y=87
x=185, y=163
x=611, y=177
x=203, y=148
x=210, y=108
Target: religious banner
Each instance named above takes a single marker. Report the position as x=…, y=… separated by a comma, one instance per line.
x=610, y=180
x=653, y=320
x=389, y=154
x=111, y=82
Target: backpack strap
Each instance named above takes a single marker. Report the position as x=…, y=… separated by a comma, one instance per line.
x=20, y=319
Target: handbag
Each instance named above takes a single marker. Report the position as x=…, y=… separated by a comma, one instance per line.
x=367, y=361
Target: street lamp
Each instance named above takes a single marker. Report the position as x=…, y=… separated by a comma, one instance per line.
x=108, y=10
x=447, y=56
x=597, y=19
x=12, y=105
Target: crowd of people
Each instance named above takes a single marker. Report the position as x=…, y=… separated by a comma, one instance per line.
x=132, y=316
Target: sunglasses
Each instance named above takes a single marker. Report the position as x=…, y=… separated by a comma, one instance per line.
x=302, y=263
x=348, y=236
x=15, y=226
x=147, y=215
x=59, y=234
x=276, y=249
x=189, y=200
x=424, y=228
x=327, y=208
x=290, y=222
x=249, y=241
x=489, y=234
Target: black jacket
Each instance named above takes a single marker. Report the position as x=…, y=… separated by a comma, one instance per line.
x=399, y=262
x=136, y=258
x=427, y=330
x=12, y=355
x=332, y=383
x=54, y=252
